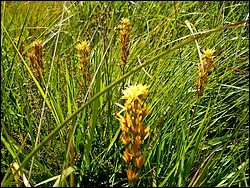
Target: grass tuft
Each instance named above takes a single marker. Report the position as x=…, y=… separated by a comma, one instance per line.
x=65, y=65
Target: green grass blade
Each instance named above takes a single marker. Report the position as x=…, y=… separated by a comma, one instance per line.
x=63, y=176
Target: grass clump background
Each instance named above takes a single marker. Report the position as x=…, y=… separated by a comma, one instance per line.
x=63, y=72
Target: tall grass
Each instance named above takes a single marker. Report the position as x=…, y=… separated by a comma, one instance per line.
x=193, y=140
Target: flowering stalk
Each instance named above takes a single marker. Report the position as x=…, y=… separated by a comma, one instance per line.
x=205, y=68
x=84, y=64
x=36, y=59
x=124, y=36
x=134, y=132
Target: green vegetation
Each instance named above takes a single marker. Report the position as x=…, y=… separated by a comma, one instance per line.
x=59, y=106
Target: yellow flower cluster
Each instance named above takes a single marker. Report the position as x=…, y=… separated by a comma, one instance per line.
x=84, y=65
x=133, y=130
x=124, y=38
x=84, y=48
x=36, y=59
x=205, y=68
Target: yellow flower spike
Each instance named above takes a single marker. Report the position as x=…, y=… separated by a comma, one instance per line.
x=32, y=58
x=121, y=26
x=83, y=46
x=125, y=21
x=208, y=52
x=38, y=45
x=84, y=63
x=207, y=60
x=124, y=26
x=134, y=132
x=124, y=35
x=36, y=59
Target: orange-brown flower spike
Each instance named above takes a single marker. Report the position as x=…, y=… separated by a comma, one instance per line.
x=133, y=129
x=38, y=45
x=36, y=59
x=84, y=48
x=84, y=64
x=124, y=37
